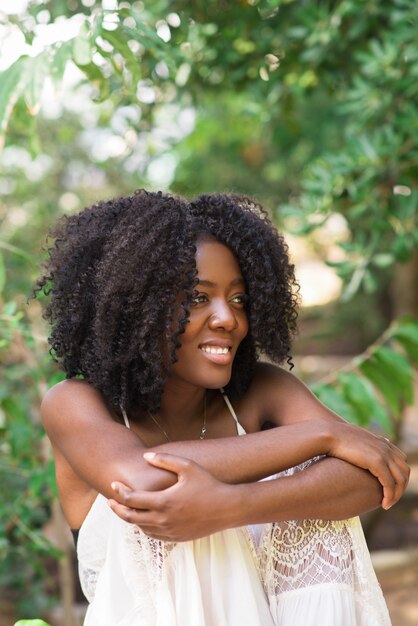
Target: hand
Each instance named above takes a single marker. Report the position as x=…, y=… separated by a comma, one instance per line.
x=195, y=506
x=374, y=453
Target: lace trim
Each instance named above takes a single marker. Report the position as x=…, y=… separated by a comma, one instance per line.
x=88, y=581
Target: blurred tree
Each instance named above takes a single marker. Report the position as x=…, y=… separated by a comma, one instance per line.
x=308, y=105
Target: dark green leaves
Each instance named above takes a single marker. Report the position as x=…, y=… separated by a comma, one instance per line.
x=379, y=383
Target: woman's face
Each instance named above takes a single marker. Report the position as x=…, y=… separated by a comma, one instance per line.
x=218, y=321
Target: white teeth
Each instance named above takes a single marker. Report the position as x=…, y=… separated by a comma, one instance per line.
x=213, y=350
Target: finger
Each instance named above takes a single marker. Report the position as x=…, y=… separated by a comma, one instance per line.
x=386, y=479
x=171, y=462
x=130, y=515
x=400, y=454
x=121, y=489
x=394, y=450
x=141, y=500
x=124, y=512
x=392, y=493
x=400, y=472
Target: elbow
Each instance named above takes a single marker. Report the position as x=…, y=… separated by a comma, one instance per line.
x=370, y=492
x=145, y=478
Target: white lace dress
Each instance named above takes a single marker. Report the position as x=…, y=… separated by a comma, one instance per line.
x=297, y=573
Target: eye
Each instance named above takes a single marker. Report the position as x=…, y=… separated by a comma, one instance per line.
x=199, y=298
x=240, y=298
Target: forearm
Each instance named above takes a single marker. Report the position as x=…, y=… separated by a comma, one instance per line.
x=329, y=489
x=199, y=505
x=106, y=451
x=247, y=458
x=73, y=407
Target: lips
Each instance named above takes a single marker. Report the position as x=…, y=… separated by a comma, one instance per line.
x=217, y=351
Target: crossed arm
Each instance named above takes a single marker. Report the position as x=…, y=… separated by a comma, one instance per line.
x=211, y=486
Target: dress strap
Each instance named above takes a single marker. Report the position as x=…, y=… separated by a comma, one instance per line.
x=125, y=417
x=240, y=429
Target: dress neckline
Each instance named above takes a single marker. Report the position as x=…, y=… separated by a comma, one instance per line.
x=240, y=429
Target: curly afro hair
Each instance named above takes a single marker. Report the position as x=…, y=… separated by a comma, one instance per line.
x=114, y=275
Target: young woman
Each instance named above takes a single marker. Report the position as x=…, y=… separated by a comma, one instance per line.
x=160, y=310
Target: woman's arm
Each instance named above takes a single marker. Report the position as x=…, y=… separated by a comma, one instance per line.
x=198, y=504
x=101, y=451
x=286, y=400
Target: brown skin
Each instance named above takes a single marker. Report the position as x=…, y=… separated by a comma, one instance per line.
x=209, y=485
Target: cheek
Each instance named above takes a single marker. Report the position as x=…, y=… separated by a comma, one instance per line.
x=244, y=326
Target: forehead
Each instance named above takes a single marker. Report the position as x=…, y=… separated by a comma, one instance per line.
x=215, y=262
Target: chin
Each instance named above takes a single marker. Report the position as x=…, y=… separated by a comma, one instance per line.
x=216, y=382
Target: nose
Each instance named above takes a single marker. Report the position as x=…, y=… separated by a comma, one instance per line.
x=222, y=316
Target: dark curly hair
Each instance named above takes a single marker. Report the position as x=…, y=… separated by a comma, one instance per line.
x=114, y=275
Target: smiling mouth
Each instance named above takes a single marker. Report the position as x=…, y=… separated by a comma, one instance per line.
x=219, y=355
x=215, y=349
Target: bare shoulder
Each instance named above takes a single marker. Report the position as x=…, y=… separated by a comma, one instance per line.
x=68, y=391
x=282, y=398
x=71, y=400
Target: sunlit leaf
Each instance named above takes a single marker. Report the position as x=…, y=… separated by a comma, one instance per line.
x=359, y=393
x=380, y=376
x=410, y=347
x=334, y=400
x=407, y=330
x=383, y=260
x=12, y=84
x=118, y=40
x=401, y=370
x=61, y=56
x=82, y=47
x=37, y=70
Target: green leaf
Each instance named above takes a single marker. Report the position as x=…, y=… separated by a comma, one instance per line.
x=82, y=47
x=410, y=347
x=334, y=400
x=62, y=54
x=20, y=429
x=98, y=80
x=354, y=284
x=408, y=331
x=12, y=84
x=370, y=282
x=118, y=40
x=402, y=248
x=360, y=394
x=37, y=70
x=17, y=251
x=381, y=377
x=383, y=260
x=392, y=374
x=142, y=32
x=400, y=368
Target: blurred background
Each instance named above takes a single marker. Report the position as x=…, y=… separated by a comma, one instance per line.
x=311, y=107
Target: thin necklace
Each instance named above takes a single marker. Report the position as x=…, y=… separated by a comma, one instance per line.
x=203, y=430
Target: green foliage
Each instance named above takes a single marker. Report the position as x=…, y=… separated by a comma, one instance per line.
x=378, y=384
x=310, y=106
x=26, y=472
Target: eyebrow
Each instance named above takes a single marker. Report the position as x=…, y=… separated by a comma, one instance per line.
x=208, y=283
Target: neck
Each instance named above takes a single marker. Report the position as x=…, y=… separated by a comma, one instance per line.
x=182, y=405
